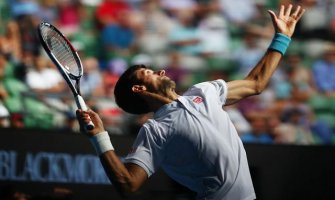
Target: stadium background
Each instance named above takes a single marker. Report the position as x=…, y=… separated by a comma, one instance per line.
x=193, y=41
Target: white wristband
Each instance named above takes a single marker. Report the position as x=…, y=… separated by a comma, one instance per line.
x=101, y=142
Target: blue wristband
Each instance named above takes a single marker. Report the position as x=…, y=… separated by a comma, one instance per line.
x=280, y=43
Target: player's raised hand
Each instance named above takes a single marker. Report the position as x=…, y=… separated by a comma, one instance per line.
x=84, y=117
x=287, y=19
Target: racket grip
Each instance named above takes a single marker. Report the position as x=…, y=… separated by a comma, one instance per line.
x=82, y=105
x=90, y=126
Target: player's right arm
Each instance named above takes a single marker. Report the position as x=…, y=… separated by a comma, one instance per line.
x=284, y=24
x=257, y=79
x=127, y=178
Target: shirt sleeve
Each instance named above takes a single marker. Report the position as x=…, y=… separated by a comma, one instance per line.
x=221, y=89
x=216, y=88
x=147, y=150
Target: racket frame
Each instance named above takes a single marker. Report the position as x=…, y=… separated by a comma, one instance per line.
x=75, y=89
x=66, y=74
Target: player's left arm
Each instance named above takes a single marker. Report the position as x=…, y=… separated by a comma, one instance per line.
x=126, y=178
x=255, y=82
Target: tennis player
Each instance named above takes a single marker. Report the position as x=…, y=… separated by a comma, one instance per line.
x=190, y=136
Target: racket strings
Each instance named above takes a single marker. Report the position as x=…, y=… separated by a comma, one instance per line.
x=61, y=50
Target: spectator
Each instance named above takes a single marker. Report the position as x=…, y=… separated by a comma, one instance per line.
x=10, y=42
x=48, y=11
x=110, y=76
x=240, y=122
x=316, y=23
x=295, y=128
x=109, y=11
x=48, y=85
x=118, y=39
x=139, y=59
x=70, y=121
x=4, y=116
x=299, y=76
x=21, y=8
x=320, y=129
x=214, y=34
x=42, y=78
x=27, y=25
x=250, y=105
x=91, y=82
x=246, y=10
x=153, y=34
x=4, y=113
x=185, y=39
x=324, y=71
x=17, y=120
x=11, y=88
x=3, y=92
x=259, y=131
x=249, y=53
x=68, y=16
x=173, y=7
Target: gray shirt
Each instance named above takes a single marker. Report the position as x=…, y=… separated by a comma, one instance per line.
x=196, y=144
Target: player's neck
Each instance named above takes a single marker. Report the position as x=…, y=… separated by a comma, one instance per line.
x=156, y=101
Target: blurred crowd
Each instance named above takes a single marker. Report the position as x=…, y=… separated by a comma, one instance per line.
x=193, y=40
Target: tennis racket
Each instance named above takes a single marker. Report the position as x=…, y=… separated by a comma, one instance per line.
x=67, y=60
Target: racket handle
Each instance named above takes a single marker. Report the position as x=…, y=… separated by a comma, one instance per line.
x=82, y=105
x=90, y=126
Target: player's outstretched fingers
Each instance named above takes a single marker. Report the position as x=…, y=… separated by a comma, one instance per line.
x=288, y=11
x=300, y=13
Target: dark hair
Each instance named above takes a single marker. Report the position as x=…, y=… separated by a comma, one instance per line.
x=125, y=98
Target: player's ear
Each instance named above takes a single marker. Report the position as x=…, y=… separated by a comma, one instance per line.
x=138, y=88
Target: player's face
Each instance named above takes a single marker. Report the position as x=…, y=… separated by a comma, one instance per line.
x=155, y=81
